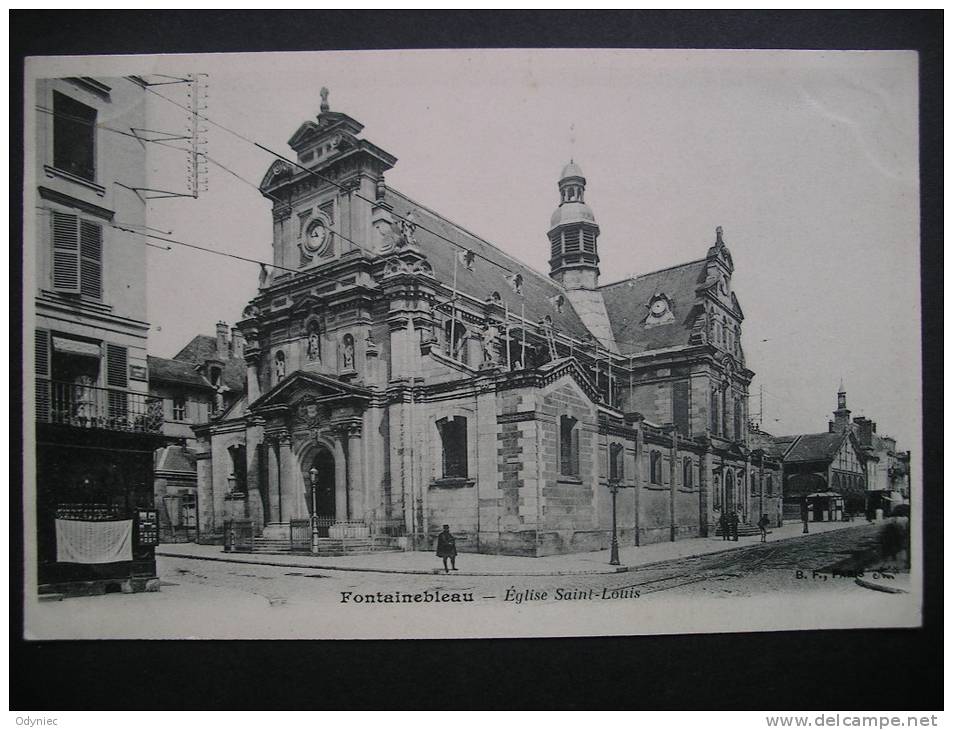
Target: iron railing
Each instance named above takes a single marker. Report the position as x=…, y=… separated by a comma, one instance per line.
x=86, y=406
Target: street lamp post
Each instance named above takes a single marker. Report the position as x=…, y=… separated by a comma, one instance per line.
x=614, y=488
x=313, y=473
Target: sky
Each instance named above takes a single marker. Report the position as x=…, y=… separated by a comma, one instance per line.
x=807, y=159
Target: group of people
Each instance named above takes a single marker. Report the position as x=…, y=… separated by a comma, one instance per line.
x=728, y=523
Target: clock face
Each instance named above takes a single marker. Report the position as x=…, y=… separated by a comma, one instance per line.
x=316, y=236
x=658, y=307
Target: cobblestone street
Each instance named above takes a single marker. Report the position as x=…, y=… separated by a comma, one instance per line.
x=201, y=598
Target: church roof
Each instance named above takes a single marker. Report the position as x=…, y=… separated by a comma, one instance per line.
x=485, y=278
x=627, y=305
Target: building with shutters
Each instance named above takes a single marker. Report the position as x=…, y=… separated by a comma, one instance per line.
x=404, y=373
x=202, y=381
x=96, y=427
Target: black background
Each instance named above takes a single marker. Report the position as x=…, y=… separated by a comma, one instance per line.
x=848, y=670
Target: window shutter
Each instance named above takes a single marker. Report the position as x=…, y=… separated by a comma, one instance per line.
x=65, y=253
x=42, y=353
x=42, y=370
x=91, y=259
x=116, y=366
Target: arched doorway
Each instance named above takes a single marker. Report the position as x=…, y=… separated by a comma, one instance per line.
x=321, y=499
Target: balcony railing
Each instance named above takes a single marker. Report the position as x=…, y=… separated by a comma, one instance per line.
x=85, y=406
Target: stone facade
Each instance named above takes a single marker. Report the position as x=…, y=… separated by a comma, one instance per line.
x=403, y=374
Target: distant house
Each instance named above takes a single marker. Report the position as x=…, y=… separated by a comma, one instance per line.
x=199, y=384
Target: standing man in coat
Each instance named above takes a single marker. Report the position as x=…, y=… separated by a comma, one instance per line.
x=447, y=548
x=723, y=524
x=733, y=518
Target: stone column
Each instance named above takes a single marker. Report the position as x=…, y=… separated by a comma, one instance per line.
x=704, y=491
x=274, y=481
x=251, y=373
x=341, y=496
x=286, y=469
x=638, y=480
x=355, y=474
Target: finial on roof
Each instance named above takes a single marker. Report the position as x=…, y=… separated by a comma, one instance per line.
x=840, y=389
x=719, y=232
x=325, y=107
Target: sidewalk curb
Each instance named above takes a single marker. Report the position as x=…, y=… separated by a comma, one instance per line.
x=871, y=585
x=609, y=570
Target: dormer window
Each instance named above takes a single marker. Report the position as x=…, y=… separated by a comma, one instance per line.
x=660, y=311
x=214, y=375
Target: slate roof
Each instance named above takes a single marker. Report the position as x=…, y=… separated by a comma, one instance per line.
x=176, y=458
x=815, y=446
x=485, y=278
x=626, y=303
x=175, y=371
x=205, y=347
x=772, y=446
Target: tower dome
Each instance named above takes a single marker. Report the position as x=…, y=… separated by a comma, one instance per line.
x=573, y=234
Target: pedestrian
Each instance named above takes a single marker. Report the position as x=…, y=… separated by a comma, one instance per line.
x=723, y=525
x=733, y=519
x=447, y=548
x=763, y=526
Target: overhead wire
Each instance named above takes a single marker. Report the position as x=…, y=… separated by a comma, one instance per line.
x=406, y=219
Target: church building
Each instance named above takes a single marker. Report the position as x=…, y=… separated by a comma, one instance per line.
x=404, y=373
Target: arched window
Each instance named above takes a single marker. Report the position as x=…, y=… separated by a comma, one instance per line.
x=770, y=485
x=279, y=366
x=237, y=478
x=568, y=446
x=729, y=490
x=755, y=484
x=453, y=440
x=688, y=476
x=616, y=465
x=655, y=467
x=715, y=416
x=716, y=490
x=739, y=423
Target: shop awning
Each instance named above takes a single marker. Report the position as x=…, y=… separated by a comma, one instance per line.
x=75, y=347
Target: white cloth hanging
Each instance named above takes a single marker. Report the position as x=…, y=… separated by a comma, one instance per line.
x=79, y=541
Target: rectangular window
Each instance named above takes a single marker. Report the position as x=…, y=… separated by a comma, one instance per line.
x=178, y=408
x=453, y=438
x=74, y=137
x=568, y=447
x=616, y=462
x=655, y=467
x=77, y=255
x=715, y=415
x=680, y=407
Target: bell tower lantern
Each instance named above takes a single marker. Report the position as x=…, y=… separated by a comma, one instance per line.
x=573, y=234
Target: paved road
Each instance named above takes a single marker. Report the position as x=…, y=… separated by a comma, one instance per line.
x=204, y=598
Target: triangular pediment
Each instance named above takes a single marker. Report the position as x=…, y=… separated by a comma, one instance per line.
x=569, y=367
x=327, y=122
x=315, y=386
